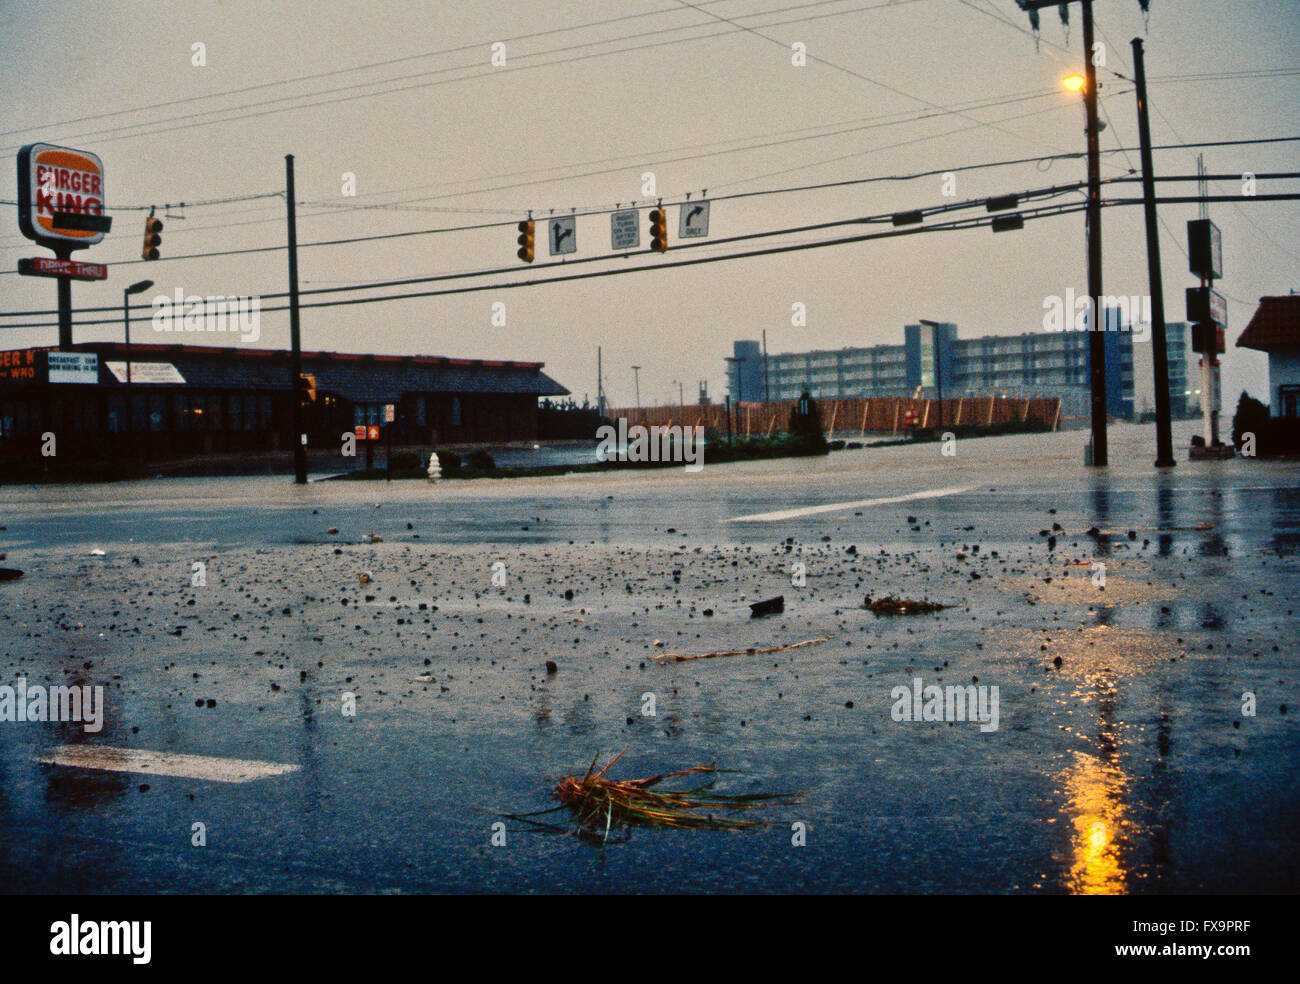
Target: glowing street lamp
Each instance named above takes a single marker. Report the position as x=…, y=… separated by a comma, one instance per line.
x=1074, y=83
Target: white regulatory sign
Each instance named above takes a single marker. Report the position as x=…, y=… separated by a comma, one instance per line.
x=693, y=220
x=624, y=230
x=563, y=235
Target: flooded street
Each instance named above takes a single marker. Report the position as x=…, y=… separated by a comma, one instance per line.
x=1135, y=634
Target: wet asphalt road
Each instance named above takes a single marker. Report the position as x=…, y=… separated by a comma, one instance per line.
x=1127, y=767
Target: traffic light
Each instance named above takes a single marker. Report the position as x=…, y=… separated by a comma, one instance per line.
x=152, y=238
x=527, y=240
x=659, y=229
x=306, y=389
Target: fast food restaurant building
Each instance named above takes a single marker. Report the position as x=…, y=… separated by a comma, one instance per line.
x=188, y=400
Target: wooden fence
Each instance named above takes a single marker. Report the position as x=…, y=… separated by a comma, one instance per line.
x=853, y=416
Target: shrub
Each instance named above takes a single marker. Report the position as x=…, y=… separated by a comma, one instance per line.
x=405, y=460
x=480, y=460
x=1251, y=417
x=448, y=461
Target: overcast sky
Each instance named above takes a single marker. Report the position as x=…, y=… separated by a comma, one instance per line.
x=573, y=120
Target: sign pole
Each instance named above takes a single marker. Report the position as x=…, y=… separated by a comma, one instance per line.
x=295, y=340
x=65, y=301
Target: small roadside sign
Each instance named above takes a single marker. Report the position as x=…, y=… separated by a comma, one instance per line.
x=390, y=413
x=48, y=266
x=563, y=236
x=693, y=220
x=372, y=432
x=359, y=432
x=624, y=229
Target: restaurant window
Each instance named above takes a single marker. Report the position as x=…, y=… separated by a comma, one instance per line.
x=250, y=412
x=214, y=411
x=421, y=417
x=181, y=413
x=90, y=416
x=233, y=407
x=7, y=419
x=264, y=418
x=457, y=417
x=139, y=411
x=1289, y=398
x=116, y=413
x=157, y=412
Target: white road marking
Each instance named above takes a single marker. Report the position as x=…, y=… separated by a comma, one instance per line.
x=769, y=517
x=163, y=763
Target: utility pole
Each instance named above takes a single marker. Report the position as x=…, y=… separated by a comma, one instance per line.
x=600, y=384
x=1096, y=340
x=295, y=337
x=767, y=390
x=636, y=378
x=1159, y=345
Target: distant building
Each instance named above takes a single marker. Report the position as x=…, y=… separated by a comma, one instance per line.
x=1275, y=329
x=933, y=361
x=745, y=373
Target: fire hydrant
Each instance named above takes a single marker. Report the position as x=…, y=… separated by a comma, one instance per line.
x=435, y=468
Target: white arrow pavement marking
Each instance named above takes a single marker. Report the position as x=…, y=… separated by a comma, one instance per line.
x=769, y=517
x=163, y=763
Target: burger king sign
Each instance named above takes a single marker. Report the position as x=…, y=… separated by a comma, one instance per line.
x=58, y=179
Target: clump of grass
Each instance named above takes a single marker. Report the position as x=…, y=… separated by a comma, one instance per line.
x=600, y=805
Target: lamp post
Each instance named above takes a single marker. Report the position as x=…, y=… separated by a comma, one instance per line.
x=636, y=378
x=136, y=288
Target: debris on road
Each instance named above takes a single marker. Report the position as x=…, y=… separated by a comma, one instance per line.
x=900, y=606
x=10, y=574
x=599, y=804
x=680, y=657
x=770, y=606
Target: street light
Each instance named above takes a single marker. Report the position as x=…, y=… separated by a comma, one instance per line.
x=136, y=288
x=1074, y=82
x=1096, y=342
x=636, y=376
